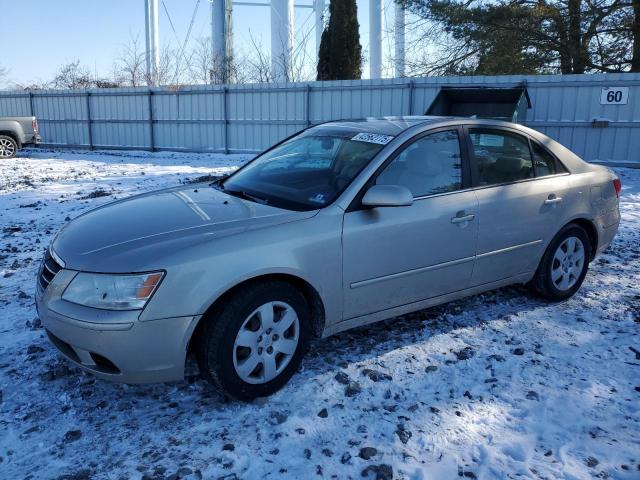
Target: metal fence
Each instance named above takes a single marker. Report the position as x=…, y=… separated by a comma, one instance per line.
x=248, y=118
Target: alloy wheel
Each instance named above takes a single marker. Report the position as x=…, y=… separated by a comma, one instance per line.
x=7, y=148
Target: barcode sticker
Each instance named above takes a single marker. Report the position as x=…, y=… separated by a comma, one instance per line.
x=373, y=138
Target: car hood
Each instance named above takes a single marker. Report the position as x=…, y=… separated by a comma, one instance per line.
x=137, y=232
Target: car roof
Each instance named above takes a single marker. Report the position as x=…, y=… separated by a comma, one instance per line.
x=382, y=125
x=395, y=125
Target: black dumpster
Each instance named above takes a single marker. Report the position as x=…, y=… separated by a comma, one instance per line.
x=508, y=104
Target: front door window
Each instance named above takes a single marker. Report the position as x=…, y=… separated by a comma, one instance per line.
x=429, y=166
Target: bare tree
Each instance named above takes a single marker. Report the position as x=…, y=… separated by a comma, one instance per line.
x=108, y=83
x=259, y=63
x=303, y=66
x=72, y=75
x=38, y=85
x=300, y=68
x=201, y=64
x=3, y=75
x=204, y=68
x=130, y=68
x=167, y=73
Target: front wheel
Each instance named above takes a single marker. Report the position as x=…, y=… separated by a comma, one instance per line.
x=8, y=147
x=254, y=342
x=564, y=264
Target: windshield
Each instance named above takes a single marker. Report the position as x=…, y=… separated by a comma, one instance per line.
x=306, y=172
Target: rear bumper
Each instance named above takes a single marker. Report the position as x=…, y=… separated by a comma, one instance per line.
x=126, y=352
x=605, y=237
x=607, y=225
x=34, y=140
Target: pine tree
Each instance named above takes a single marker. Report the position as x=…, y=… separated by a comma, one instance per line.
x=340, y=56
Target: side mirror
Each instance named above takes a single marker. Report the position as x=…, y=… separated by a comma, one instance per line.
x=387, y=196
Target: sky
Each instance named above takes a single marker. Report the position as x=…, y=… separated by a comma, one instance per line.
x=42, y=35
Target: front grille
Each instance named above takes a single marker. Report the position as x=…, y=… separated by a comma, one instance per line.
x=48, y=270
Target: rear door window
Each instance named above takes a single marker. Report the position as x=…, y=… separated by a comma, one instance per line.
x=501, y=157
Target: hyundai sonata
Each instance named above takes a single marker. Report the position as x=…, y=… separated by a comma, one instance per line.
x=340, y=225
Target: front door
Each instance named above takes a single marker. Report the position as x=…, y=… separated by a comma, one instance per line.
x=395, y=256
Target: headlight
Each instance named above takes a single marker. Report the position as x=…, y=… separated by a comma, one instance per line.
x=112, y=292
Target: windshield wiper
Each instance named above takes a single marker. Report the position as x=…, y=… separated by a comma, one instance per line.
x=218, y=181
x=247, y=196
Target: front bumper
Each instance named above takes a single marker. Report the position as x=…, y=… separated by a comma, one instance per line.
x=114, y=346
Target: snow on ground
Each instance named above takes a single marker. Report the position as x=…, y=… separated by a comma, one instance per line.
x=500, y=385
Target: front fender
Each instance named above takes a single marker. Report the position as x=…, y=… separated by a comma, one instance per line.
x=307, y=249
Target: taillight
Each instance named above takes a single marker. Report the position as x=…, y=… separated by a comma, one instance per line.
x=34, y=125
x=617, y=184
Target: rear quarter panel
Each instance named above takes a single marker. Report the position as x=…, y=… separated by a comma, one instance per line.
x=593, y=198
x=14, y=128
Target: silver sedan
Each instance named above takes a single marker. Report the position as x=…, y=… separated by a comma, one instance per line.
x=343, y=224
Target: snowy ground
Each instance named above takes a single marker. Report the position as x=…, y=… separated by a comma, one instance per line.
x=500, y=385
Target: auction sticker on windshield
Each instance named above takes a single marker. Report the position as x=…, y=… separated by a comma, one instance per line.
x=372, y=138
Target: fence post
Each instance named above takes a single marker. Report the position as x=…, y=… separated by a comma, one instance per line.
x=151, y=135
x=32, y=114
x=89, y=132
x=225, y=121
x=410, y=97
x=307, y=107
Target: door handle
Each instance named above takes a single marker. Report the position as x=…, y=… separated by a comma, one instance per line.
x=463, y=219
x=552, y=199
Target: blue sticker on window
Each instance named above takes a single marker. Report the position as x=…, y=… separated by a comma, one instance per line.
x=318, y=198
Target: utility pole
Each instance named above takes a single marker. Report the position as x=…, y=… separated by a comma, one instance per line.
x=399, y=29
x=152, y=41
x=282, y=28
x=375, y=38
x=221, y=40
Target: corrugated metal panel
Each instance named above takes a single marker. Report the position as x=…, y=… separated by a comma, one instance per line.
x=251, y=117
x=16, y=106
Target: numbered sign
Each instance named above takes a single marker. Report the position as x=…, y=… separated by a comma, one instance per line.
x=614, y=96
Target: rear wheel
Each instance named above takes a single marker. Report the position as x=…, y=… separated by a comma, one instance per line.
x=8, y=147
x=564, y=264
x=254, y=342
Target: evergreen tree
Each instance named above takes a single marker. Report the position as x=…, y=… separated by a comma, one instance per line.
x=530, y=36
x=340, y=56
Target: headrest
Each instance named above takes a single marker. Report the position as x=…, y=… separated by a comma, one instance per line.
x=424, y=160
x=507, y=164
x=416, y=155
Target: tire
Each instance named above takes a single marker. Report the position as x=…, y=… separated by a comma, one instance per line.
x=558, y=279
x=8, y=147
x=243, y=319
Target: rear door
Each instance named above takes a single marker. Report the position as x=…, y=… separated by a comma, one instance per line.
x=397, y=256
x=520, y=189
